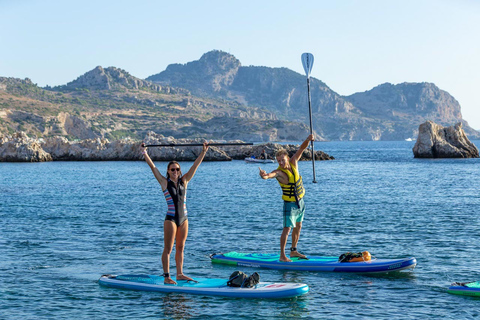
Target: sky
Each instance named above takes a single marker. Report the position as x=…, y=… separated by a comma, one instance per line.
x=357, y=45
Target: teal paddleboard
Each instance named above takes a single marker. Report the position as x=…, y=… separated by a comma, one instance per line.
x=204, y=286
x=314, y=263
x=465, y=289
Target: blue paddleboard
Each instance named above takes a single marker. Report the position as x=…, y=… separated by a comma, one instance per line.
x=314, y=263
x=204, y=286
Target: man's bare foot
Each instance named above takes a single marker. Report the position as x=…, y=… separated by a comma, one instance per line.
x=169, y=281
x=183, y=277
x=296, y=254
x=285, y=259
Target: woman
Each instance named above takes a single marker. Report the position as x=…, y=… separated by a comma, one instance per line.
x=175, y=226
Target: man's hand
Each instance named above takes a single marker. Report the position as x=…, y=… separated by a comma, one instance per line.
x=263, y=173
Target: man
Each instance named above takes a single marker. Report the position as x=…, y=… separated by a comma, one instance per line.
x=292, y=194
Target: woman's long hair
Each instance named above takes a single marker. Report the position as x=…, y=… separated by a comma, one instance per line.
x=168, y=168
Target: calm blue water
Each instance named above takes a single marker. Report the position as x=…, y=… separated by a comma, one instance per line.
x=63, y=224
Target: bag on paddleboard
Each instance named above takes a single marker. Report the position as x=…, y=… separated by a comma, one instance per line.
x=252, y=281
x=240, y=279
x=355, y=257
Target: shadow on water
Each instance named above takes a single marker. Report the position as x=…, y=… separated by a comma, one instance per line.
x=177, y=306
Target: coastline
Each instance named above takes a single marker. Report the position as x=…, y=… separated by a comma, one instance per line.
x=18, y=147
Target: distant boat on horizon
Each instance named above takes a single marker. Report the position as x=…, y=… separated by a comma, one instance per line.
x=409, y=139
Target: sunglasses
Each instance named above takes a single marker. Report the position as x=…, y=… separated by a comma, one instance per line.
x=175, y=169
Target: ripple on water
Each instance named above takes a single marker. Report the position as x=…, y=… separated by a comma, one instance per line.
x=66, y=223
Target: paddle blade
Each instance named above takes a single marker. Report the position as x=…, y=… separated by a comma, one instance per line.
x=307, y=61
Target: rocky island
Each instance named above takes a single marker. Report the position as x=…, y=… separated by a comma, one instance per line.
x=436, y=141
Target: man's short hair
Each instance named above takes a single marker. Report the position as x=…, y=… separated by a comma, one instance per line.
x=281, y=153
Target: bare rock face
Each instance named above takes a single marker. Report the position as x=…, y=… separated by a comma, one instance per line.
x=92, y=149
x=20, y=148
x=181, y=153
x=215, y=71
x=435, y=141
x=75, y=126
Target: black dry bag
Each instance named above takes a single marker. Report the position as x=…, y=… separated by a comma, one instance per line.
x=252, y=281
x=240, y=279
x=237, y=279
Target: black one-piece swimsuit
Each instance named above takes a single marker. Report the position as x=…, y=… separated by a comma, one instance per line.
x=176, y=202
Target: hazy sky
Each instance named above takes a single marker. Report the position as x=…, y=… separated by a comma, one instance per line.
x=357, y=44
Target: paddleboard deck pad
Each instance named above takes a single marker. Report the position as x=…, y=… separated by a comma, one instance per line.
x=314, y=263
x=465, y=289
x=204, y=286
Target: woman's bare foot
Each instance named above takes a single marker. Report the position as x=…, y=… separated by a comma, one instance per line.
x=296, y=254
x=285, y=259
x=169, y=281
x=183, y=277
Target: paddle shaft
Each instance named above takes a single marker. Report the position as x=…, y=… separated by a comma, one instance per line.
x=199, y=144
x=311, y=128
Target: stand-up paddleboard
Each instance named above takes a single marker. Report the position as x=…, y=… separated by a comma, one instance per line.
x=465, y=289
x=271, y=261
x=203, y=286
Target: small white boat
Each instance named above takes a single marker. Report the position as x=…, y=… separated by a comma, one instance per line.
x=255, y=160
x=409, y=139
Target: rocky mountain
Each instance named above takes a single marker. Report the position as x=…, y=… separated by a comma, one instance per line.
x=206, y=77
x=408, y=103
x=216, y=97
x=114, y=78
x=387, y=112
x=110, y=103
x=405, y=100
x=281, y=90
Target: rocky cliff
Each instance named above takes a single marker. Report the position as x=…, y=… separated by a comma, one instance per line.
x=280, y=90
x=408, y=100
x=110, y=103
x=406, y=104
x=208, y=76
x=18, y=147
x=387, y=112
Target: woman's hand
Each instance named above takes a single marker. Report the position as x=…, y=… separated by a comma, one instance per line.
x=143, y=149
x=205, y=147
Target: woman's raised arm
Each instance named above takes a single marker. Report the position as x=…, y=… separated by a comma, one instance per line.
x=161, y=179
x=189, y=175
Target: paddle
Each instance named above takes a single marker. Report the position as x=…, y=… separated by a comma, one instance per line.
x=199, y=144
x=307, y=61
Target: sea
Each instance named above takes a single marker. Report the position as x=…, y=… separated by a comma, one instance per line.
x=64, y=224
